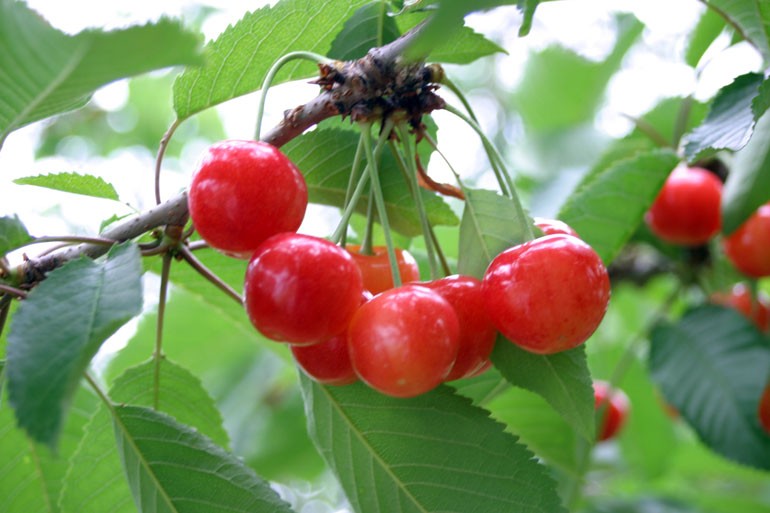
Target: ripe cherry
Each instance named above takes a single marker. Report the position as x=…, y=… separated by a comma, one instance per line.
x=547, y=295
x=554, y=226
x=477, y=334
x=741, y=299
x=763, y=410
x=404, y=341
x=375, y=268
x=613, y=405
x=687, y=208
x=243, y=192
x=748, y=248
x=301, y=289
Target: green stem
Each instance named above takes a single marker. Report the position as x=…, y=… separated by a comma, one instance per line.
x=350, y=191
x=204, y=271
x=157, y=355
x=367, y=244
x=504, y=178
x=161, y=152
x=377, y=191
x=408, y=163
x=460, y=96
x=277, y=65
x=342, y=226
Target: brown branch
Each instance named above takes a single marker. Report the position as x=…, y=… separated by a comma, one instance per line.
x=367, y=86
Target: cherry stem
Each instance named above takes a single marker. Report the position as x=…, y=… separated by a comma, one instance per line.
x=161, y=153
x=349, y=193
x=71, y=239
x=208, y=274
x=460, y=96
x=5, y=307
x=367, y=243
x=13, y=291
x=347, y=213
x=408, y=162
x=650, y=131
x=157, y=355
x=197, y=244
x=277, y=65
x=377, y=191
x=495, y=158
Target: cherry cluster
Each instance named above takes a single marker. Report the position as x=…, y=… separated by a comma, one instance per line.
x=338, y=307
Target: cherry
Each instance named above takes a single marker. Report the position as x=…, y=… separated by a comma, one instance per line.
x=613, y=405
x=375, y=268
x=242, y=192
x=547, y=295
x=748, y=248
x=687, y=208
x=741, y=299
x=763, y=410
x=554, y=226
x=477, y=334
x=404, y=341
x=301, y=289
x=327, y=362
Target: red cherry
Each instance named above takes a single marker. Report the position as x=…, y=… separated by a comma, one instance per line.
x=763, y=410
x=687, y=209
x=301, y=289
x=554, y=226
x=477, y=334
x=375, y=268
x=614, y=406
x=243, y=192
x=748, y=248
x=547, y=295
x=404, y=341
x=740, y=299
x=327, y=362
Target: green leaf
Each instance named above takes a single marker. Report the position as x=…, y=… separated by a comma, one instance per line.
x=95, y=481
x=748, y=184
x=238, y=60
x=325, y=155
x=562, y=89
x=31, y=475
x=607, y=209
x=562, y=379
x=13, y=234
x=371, y=25
x=529, y=416
x=730, y=120
x=434, y=452
x=527, y=8
x=87, y=185
x=750, y=19
x=44, y=72
x=712, y=366
x=58, y=329
x=709, y=26
x=172, y=467
x=490, y=224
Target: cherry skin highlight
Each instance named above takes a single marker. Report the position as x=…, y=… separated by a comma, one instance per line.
x=547, y=295
x=687, y=210
x=404, y=341
x=748, y=248
x=614, y=405
x=243, y=192
x=301, y=289
x=375, y=268
x=477, y=334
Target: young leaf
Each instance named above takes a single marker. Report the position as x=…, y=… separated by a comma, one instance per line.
x=750, y=19
x=95, y=481
x=709, y=26
x=324, y=157
x=371, y=25
x=712, y=366
x=434, y=452
x=562, y=379
x=730, y=120
x=490, y=224
x=238, y=60
x=13, y=234
x=172, y=467
x=748, y=184
x=607, y=209
x=44, y=72
x=31, y=476
x=87, y=185
x=58, y=329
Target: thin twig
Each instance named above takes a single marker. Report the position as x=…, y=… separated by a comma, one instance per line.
x=208, y=274
x=161, y=152
x=157, y=355
x=197, y=244
x=13, y=291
